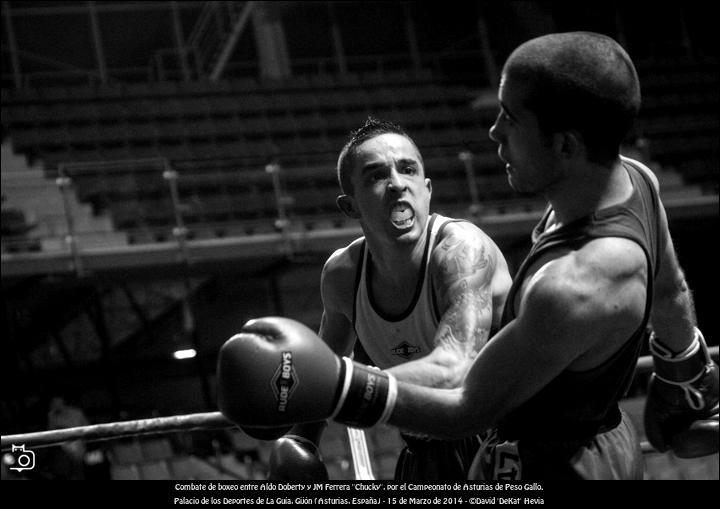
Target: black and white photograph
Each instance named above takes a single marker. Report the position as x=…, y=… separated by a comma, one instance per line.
x=359, y=252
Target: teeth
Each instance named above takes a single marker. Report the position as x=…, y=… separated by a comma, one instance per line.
x=401, y=215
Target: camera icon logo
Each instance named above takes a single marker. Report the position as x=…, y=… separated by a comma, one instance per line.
x=24, y=460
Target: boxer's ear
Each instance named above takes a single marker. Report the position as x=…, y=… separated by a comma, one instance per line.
x=347, y=205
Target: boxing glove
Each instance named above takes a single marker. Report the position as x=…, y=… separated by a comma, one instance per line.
x=681, y=410
x=296, y=458
x=278, y=372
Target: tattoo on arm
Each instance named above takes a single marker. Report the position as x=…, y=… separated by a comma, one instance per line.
x=464, y=289
x=462, y=324
x=461, y=259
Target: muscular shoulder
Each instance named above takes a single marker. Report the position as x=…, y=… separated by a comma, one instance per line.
x=462, y=251
x=460, y=244
x=337, y=282
x=603, y=283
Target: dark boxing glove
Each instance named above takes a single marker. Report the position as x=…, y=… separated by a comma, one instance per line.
x=296, y=458
x=278, y=372
x=681, y=411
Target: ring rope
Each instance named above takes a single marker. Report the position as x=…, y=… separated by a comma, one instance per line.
x=189, y=422
x=112, y=430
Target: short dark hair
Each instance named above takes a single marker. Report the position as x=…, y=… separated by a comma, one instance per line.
x=579, y=80
x=373, y=127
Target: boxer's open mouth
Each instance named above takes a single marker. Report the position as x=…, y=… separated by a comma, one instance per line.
x=402, y=215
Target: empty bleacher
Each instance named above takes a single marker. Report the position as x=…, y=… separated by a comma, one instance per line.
x=679, y=118
x=155, y=459
x=220, y=136
x=41, y=207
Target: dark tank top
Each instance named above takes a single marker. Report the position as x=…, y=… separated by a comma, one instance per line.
x=577, y=405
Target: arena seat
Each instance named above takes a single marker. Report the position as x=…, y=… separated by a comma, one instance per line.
x=244, y=120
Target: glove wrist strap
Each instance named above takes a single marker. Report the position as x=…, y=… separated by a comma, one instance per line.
x=347, y=375
x=367, y=397
x=684, y=367
x=391, y=398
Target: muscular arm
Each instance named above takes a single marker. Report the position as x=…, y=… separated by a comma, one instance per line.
x=462, y=269
x=570, y=309
x=336, y=290
x=673, y=311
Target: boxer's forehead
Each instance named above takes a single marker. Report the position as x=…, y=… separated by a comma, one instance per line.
x=386, y=149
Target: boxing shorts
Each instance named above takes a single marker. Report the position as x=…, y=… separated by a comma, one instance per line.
x=436, y=460
x=612, y=454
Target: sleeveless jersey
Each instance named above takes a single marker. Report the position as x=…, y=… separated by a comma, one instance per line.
x=390, y=340
x=581, y=404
